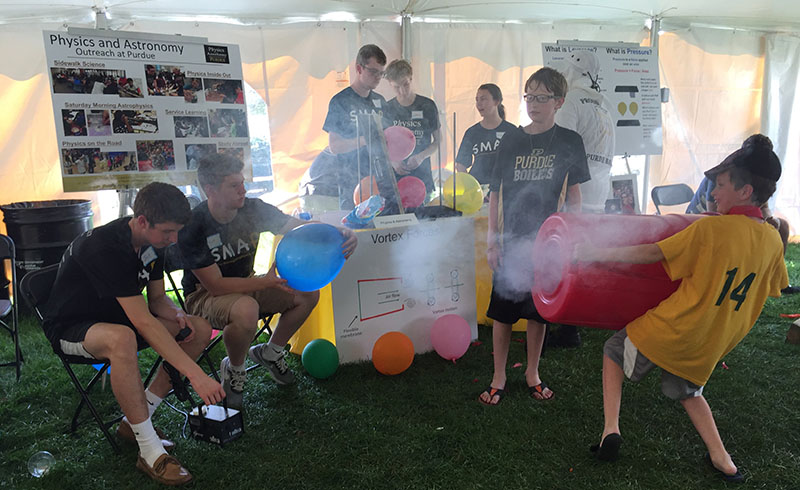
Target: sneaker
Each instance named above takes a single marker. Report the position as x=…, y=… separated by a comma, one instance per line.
x=232, y=383
x=277, y=367
x=167, y=470
x=125, y=432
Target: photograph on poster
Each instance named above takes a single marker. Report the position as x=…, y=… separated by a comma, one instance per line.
x=623, y=187
x=193, y=90
x=74, y=122
x=196, y=152
x=155, y=155
x=130, y=121
x=191, y=126
x=79, y=161
x=237, y=153
x=121, y=161
x=224, y=91
x=99, y=122
x=131, y=88
x=81, y=81
x=228, y=123
x=165, y=80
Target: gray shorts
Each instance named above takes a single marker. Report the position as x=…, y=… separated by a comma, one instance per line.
x=635, y=365
x=217, y=309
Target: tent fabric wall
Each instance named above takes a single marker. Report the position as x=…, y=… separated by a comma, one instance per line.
x=715, y=81
x=715, y=77
x=781, y=117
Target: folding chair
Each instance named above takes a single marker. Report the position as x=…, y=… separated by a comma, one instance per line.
x=35, y=287
x=671, y=195
x=174, y=261
x=9, y=310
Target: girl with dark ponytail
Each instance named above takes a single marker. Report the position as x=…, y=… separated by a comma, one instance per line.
x=479, y=144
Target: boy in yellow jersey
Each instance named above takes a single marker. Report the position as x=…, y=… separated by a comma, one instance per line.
x=728, y=266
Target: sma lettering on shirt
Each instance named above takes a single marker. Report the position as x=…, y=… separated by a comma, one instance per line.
x=485, y=147
x=226, y=251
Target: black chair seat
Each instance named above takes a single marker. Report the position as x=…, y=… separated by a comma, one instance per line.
x=5, y=307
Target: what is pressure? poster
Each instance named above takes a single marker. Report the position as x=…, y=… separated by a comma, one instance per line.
x=630, y=82
x=133, y=108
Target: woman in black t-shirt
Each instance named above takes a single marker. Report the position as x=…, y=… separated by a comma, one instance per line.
x=478, y=147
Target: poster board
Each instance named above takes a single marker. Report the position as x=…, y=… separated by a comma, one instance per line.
x=133, y=108
x=629, y=79
x=403, y=279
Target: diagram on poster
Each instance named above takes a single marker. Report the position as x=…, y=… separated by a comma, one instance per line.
x=132, y=108
x=403, y=279
x=629, y=79
x=379, y=297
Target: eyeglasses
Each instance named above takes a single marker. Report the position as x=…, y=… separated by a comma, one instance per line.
x=541, y=99
x=374, y=71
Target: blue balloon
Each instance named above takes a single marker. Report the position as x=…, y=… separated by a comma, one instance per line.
x=310, y=256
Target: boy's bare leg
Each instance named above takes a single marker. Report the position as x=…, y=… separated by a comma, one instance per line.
x=501, y=340
x=291, y=320
x=700, y=414
x=535, y=337
x=117, y=343
x=239, y=333
x=613, y=376
x=161, y=384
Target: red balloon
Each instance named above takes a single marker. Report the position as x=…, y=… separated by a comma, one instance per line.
x=412, y=191
x=400, y=142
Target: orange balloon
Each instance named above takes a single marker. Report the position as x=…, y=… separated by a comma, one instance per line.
x=360, y=195
x=392, y=353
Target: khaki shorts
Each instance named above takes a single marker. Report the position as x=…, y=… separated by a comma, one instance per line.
x=217, y=309
x=635, y=365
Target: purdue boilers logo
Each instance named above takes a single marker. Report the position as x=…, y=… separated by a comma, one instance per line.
x=216, y=54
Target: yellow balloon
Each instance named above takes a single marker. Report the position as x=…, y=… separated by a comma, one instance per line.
x=469, y=196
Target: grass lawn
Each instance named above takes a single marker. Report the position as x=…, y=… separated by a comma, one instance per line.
x=424, y=429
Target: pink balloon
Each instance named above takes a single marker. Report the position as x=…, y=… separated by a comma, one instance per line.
x=400, y=141
x=412, y=191
x=450, y=336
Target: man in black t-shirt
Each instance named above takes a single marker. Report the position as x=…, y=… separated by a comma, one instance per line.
x=97, y=311
x=417, y=113
x=347, y=132
x=219, y=247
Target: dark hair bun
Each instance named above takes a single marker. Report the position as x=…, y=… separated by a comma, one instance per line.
x=758, y=141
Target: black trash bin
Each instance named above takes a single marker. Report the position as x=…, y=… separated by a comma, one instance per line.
x=41, y=230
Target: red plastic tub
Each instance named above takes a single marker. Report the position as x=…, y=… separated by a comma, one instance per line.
x=601, y=295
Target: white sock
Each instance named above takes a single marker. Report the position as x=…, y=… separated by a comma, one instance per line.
x=239, y=369
x=150, y=448
x=153, y=401
x=273, y=350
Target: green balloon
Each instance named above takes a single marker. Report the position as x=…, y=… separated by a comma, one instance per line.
x=320, y=358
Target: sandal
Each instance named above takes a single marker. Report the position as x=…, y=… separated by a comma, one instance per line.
x=492, y=392
x=539, y=390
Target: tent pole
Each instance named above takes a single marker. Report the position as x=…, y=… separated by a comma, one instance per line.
x=655, y=26
x=405, y=36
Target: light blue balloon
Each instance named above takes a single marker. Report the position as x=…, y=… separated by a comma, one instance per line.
x=310, y=256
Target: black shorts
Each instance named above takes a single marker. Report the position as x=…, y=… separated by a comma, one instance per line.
x=510, y=311
x=69, y=340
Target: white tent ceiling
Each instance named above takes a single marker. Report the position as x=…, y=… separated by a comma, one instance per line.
x=775, y=15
